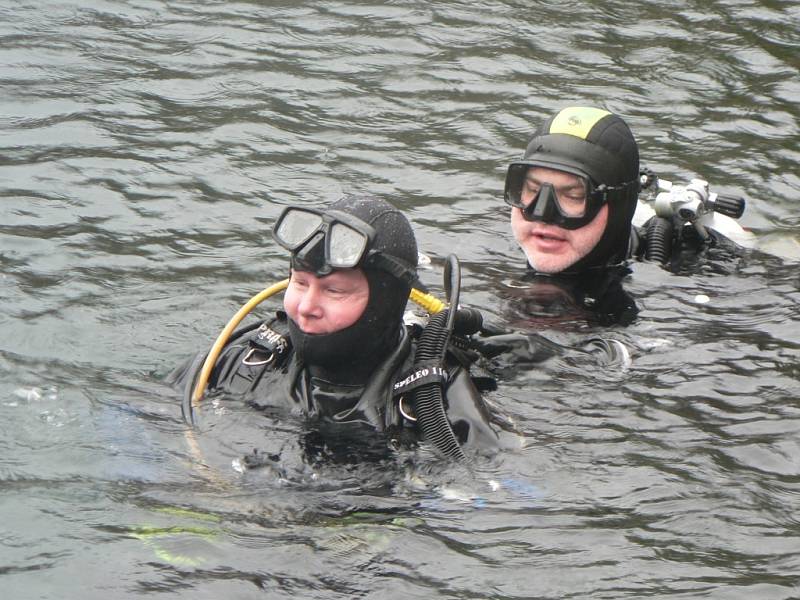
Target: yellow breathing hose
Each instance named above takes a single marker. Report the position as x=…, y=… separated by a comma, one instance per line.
x=426, y=301
x=430, y=303
x=222, y=338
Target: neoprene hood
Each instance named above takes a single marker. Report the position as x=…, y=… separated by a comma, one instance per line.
x=352, y=353
x=597, y=144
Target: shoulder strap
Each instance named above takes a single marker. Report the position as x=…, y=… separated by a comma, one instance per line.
x=270, y=345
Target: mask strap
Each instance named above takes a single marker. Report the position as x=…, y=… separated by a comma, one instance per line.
x=394, y=266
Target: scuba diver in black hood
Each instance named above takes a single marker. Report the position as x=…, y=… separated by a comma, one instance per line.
x=573, y=196
x=340, y=352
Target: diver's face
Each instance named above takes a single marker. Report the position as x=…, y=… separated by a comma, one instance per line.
x=326, y=304
x=549, y=248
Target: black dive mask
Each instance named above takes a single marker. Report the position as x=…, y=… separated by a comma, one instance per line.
x=321, y=242
x=571, y=206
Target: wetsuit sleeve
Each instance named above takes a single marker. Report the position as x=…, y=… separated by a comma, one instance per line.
x=467, y=413
x=523, y=347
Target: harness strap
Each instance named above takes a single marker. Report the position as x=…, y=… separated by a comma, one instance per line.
x=267, y=347
x=420, y=375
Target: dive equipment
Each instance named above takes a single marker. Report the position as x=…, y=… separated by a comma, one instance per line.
x=570, y=208
x=428, y=399
x=659, y=240
x=694, y=205
x=346, y=237
x=694, y=200
x=321, y=241
x=194, y=390
x=201, y=367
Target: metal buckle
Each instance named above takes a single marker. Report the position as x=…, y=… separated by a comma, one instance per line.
x=403, y=411
x=250, y=363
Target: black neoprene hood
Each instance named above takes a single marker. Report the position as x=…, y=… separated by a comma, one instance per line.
x=598, y=144
x=348, y=353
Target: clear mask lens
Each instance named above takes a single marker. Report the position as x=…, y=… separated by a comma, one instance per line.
x=568, y=191
x=571, y=199
x=331, y=240
x=296, y=227
x=346, y=246
x=562, y=198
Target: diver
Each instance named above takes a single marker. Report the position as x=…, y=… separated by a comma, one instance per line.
x=340, y=354
x=573, y=197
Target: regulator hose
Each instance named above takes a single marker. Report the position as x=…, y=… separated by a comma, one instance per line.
x=431, y=350
x=222, y=339
x=187, y=405
x=659, y=240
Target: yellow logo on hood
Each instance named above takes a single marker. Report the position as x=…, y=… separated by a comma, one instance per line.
x=577, y=120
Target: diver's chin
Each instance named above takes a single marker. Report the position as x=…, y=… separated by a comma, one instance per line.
x=548, y=264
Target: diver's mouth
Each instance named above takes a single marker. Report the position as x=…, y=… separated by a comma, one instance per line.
x=548, y=236
x=311, y=327
x=546, y=240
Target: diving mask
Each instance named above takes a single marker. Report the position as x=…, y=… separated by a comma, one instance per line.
x=571, y=204
x=322, y=241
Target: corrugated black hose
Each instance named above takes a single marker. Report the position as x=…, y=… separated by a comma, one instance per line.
x=431, y=351
x=659, y=240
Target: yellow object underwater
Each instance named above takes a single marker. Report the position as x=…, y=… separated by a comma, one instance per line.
x=426, y=301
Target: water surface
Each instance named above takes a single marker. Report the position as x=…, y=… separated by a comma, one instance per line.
x=146, y=147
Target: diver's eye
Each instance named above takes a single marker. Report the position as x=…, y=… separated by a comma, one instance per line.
x=532, y=188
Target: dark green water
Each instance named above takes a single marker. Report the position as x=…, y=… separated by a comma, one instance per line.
x=146, y=147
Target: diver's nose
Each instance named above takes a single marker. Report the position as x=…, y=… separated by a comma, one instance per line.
x=309, y=305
